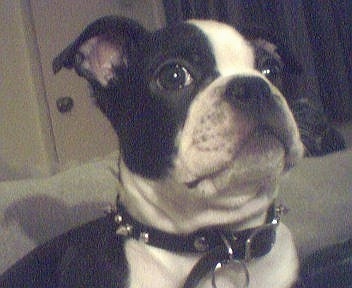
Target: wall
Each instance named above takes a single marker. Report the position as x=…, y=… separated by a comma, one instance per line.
x=26, y=144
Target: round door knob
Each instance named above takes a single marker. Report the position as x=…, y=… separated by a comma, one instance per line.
x=64, y=104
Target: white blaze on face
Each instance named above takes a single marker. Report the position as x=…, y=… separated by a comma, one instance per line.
x=214, y=129
x=233, y=54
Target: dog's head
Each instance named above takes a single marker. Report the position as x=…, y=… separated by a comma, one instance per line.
x=196, y=102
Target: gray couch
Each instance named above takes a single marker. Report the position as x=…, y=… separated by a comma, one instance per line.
x=318, y=193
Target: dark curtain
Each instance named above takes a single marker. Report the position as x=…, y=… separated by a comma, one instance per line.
x=317, y=32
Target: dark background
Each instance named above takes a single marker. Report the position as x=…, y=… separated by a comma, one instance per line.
x=318, y=33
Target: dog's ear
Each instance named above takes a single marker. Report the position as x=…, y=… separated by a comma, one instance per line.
x=260, y=36
x=105, y=47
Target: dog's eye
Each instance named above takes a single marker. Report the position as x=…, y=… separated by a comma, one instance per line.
x=174, y=76
x=271, y=69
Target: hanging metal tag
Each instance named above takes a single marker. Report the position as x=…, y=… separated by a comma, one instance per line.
x=231, y=272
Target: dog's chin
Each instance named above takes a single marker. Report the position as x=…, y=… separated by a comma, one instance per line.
x=260, y=159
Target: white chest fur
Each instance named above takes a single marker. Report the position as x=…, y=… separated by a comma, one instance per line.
x=151, y=267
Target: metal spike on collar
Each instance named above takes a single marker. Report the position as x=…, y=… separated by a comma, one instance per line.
x=124, y=230
x=118, y=219
x=280, y=210
x=201, y=244
x=110, y=209
x=144, y=236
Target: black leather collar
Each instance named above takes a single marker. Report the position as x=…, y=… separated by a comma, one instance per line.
x=249, y=243
x=213, y=243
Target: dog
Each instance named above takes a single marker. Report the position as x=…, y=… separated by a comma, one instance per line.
x=205, y=134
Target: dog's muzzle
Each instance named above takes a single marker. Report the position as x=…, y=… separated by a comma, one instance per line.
x=240, y=123
x=264, y=104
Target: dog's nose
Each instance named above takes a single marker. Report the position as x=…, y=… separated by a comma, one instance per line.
x=251, y=91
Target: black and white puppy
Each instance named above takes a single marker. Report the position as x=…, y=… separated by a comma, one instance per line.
x=204, y=137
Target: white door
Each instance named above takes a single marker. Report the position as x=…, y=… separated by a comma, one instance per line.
x=82, y=133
